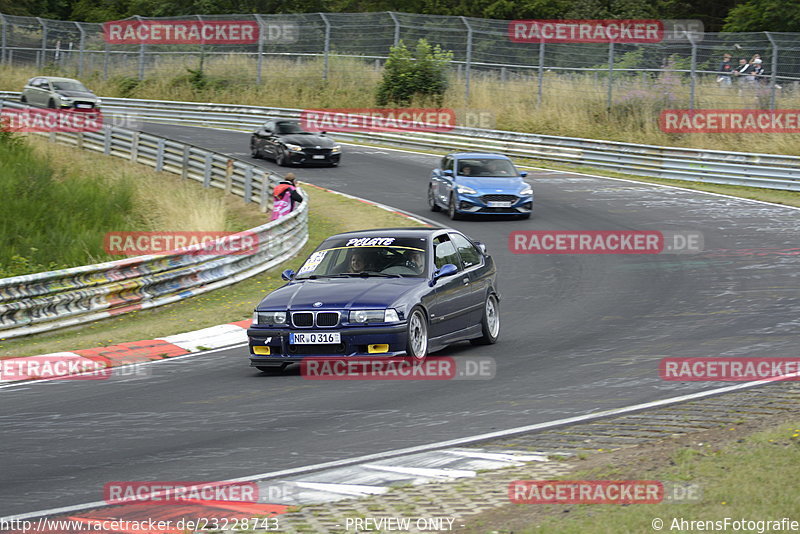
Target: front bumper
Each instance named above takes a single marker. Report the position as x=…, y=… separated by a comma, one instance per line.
x=314, y=157
x=355, y=342
x=475, y=204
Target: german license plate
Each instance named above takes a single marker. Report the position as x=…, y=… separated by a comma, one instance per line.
x=318, y=156
x=83, y=106
x=499, y=204
x=315, y=338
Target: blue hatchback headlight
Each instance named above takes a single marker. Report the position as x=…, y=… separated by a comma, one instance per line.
x=464, y=190
x=526, y=192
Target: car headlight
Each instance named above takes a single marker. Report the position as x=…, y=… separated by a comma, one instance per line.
x=335, y=149
x=269, y=317
x=373, y=316
x=294, y=148
x=464, y=190
x=527, y=191
x=65, y=98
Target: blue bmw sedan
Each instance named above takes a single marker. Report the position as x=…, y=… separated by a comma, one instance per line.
x=386, y=292
x=481, y=184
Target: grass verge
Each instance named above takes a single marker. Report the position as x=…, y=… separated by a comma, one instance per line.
x=742, y=473
x=228, y=304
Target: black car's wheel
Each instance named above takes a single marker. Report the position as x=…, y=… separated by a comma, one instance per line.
x=23, y=99
x=282, y=158
x=255, y=153
x=333, y=164
x=51, y=104
x=525, y=215
x=490, y=324
x=417, y=341
x=451, y=208
x=432, y=200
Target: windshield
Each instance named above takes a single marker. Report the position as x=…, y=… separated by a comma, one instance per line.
x=288, y=128
x=367, y=256
x=486, y=167
x=69, y=86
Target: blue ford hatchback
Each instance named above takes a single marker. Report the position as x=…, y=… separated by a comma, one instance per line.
x=387, y=292
x=479, y=184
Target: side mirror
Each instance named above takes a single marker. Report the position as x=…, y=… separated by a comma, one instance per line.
x=524, y=174
x=448, y=269
x=288, y=275
x=482, y=247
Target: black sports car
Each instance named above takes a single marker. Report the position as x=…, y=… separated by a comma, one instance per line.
x=388, y=292
x=287, y=143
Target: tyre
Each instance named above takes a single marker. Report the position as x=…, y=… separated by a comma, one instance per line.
x=490, y=323
x=255, y=153
x=51, y=104
x=23, y=99
x=417, y=336
x=282, y=158
x=451, y=208
x=432, y=200
x=525, y=216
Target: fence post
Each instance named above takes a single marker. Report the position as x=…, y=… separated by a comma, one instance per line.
x=3, y=39
x=396, y=28
x=207, y=169
x=248, y=184
x=327, y=44
x=107, y=141
x=141, y=53
x=41, y=57
x=160, y=154
x=610, y=74
x=81, y=46
x=228, y=175
x=773, y=77
x=260, y=60
x=693, y=71
x=264, y=205
x=135, y=147
x=185, y=162
x=468, y=64
x=541, y=72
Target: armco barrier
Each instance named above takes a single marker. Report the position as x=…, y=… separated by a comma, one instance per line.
x=772, y=171
x=46, y=301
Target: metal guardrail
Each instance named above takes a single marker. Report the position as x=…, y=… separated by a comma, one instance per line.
x=771, y=171
x=50, y=300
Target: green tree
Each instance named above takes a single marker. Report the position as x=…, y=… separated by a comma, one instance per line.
x=420, y=73
x=764, y=15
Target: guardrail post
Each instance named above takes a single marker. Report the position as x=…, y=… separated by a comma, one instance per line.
x=327, y=45
x=207, y=170
x=468, y=64
x=541, y=72
x=248, y=184
x=135, y=147
x=396, y=28
x=610, y=74
x=80, y=48
x=228, y=176
x=79, y=140
x=773, y=76
x=41, y=57
x=185, y=162
x=260, y=59
x=107, y=132
x=693, y=71
x=160, y=154
x=265, y=193
x=3, y=39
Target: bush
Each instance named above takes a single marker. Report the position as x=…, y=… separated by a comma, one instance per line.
x=421, y=73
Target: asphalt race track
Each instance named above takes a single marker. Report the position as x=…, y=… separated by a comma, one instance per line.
x=580, y=333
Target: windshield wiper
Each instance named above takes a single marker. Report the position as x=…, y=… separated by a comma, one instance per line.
x=365, y=274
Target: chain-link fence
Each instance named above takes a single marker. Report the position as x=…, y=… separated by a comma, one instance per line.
x=675, y=73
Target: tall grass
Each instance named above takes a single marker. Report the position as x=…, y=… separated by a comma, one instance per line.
x=573, y=105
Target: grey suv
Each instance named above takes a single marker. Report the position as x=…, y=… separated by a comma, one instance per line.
x=58, y=93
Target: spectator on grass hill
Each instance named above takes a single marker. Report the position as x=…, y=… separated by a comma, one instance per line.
x=758, y=69
x=285, y=196
x=742, y=70
x=725, y=69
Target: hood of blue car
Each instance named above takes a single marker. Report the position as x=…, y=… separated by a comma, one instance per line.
x=502, y=185
x=339, y=293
